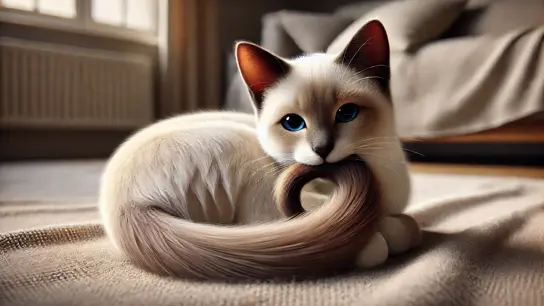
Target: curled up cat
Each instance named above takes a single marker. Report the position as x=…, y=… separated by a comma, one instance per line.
x=193, y=195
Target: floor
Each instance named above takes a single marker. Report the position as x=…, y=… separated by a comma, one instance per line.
x=67, y=181
x=39, y=194
x=529, y=172
x=78, y=181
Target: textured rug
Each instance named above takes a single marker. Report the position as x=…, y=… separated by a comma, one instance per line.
x=483, y=245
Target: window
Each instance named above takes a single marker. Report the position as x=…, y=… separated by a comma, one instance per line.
x=60, y=8
x=27, y=5
x=131, y=15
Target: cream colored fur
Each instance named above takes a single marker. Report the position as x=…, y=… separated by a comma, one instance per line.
x=220, y=167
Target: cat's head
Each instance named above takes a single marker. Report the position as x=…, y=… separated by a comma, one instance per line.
x=321, y=107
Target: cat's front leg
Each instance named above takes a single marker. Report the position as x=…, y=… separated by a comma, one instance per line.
x=396, y=234
x=374, y=253
x=401, y=232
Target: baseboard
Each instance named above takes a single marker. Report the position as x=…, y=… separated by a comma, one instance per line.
x=498, y=153
x=463, y=169
x=50, y=144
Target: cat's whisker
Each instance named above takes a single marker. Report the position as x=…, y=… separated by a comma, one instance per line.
x=357, y=52
x=412, y=138
x=258, y=159
x=377, y=156
x=273, y=165
x=394, y=138
x=376, y=149
x=268, y=163
x=366, y=152
x=412, y=151
x=365, y=78
x=268, y=157
x=374, y=146
x=374, y=66
x=370, y=141
x=389, y=158
x=264, y=168
x=379, y=137
x=383, y=144
x=358, y=76
x=391, y=169
x=380, y=156
x=273, y=172
x=267, y=160
x=384, y=165
x=377, y=141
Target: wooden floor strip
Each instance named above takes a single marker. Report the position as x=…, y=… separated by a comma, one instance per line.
x=531, y=172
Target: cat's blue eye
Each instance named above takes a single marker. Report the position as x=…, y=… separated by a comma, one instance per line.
x=293, y=122
x=347, y=113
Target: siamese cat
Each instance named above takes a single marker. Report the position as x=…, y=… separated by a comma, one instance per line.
x=192, y=196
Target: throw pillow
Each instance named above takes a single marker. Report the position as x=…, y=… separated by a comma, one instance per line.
x=409, y=23
x=358, y=9
x=504, y=16
x=313, y=32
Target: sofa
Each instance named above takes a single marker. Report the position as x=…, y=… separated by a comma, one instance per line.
x=458, y=66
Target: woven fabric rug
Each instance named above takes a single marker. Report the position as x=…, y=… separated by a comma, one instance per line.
x=482, y=245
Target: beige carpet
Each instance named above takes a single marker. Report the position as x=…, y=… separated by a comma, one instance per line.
x=66, y=192
x=39, y=194
x=483, y=245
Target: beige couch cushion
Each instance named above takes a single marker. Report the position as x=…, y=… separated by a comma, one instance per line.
x=356, y=10
x=472, y=4
x=468, y=84
x=409, y=23
x=313, y=32
x=504, y=16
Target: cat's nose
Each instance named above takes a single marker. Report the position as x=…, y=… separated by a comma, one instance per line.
x=323, y=149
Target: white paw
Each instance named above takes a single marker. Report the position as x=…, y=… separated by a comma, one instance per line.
x=401, y=232
x=375, y=252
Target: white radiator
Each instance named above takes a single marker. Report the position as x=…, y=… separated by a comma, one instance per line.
x=46, y=85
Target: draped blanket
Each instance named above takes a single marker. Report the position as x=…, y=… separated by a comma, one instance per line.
x=469, y=84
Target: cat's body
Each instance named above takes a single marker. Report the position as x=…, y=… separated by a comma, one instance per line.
x=212, y=158
x=220, y=167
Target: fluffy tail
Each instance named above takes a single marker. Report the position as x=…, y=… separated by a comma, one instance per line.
x=314, y=244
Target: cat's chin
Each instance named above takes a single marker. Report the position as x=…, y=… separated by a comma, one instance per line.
x=349, y=158
x=317, y=163
x=311, y=163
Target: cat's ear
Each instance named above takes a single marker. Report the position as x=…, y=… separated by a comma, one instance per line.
x=368, y=53
x=259, y=69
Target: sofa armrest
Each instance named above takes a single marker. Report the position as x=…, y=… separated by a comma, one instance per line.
x=236, y=96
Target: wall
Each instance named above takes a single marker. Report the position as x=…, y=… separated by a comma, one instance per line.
x=241, y=19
